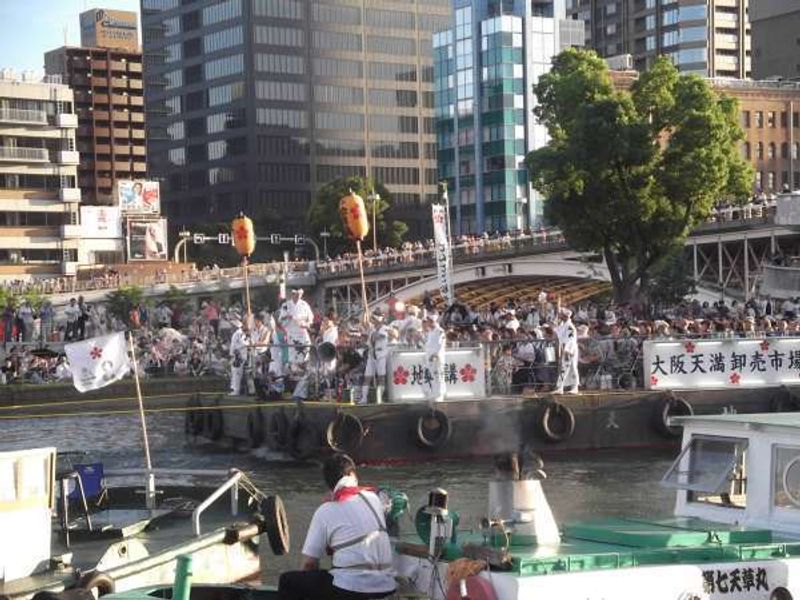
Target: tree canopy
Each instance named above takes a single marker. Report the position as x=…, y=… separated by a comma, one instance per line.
x=324, y=213
x=630, y=173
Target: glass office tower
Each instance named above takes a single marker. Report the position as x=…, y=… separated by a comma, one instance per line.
x=255, y=104
x=485, y=68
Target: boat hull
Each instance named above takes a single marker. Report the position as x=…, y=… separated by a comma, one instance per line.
x=473, y=428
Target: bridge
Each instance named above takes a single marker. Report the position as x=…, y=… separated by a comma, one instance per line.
x=728, y=256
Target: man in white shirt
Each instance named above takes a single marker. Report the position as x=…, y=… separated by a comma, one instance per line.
x=72, y=311
x=568, y=350
x=352, y=528
x=377, y=352
x=296, y=318
x=237, y=353
x=435, y=340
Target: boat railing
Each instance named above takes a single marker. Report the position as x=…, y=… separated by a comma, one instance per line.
x=235, y=481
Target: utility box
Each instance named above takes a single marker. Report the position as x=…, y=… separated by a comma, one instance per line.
x=27, y=479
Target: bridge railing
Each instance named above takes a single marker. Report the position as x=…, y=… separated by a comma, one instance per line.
x=474, y=250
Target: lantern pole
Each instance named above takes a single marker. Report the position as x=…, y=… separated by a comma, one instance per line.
x=249, y=317
x=363, y=282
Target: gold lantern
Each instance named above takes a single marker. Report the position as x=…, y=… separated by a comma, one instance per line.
x=244, y=238
x=354, y=216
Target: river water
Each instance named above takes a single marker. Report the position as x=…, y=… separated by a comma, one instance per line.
x=579, y=485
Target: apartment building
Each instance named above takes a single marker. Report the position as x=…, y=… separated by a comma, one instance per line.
x=708, y=37
x=776, y=38
x=39, y=196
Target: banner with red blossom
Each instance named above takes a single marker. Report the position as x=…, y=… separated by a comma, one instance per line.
x=723, y=363
x=463, y=372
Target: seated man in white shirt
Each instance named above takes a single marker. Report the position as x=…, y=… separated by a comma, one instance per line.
x=352, y=528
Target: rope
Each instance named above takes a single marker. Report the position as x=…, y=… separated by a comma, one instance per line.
x=98, y=400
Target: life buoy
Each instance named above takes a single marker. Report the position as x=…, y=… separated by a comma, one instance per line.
x=214, y=423
x=433, y=429
x=194, y=420
x=99, y=581
x=304, y=439
x=784, y=400
x=344, y=433
x=670, y=406
x=276, y=524
x=557, y=422
x=277, y=435
x=255, y=428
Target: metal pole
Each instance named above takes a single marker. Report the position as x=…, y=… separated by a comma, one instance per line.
x=746, y=271
x=374, y=197
x=150, y=492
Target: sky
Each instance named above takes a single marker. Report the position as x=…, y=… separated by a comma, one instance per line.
x=28, y=28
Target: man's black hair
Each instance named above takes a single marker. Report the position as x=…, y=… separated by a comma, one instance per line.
x=336, y=467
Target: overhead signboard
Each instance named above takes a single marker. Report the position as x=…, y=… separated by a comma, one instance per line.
x=104, y=222
x=137, y=196
x=724, y=363
x=147, y=240
x=103, y=28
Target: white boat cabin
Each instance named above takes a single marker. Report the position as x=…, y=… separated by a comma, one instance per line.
x=739, y=469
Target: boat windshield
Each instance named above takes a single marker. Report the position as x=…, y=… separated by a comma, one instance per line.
x=786, y=476
x=712, y=470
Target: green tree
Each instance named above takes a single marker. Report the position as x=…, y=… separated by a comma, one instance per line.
x=121, y=301
x=629, y=174
x=324, y=214
x=670, y=280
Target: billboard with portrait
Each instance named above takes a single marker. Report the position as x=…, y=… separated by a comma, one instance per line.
x=101, y=222
x=137, y=196
x=147, y=240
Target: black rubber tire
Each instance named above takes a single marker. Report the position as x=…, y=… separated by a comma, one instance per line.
x=305, y=439
x=97, y=580
x=780, y=593
x=443, y=427
x=214, y=423
x=276, y=525
x=556, y=422
x=345, y=433
x=277, y=433
x=671, y=406
x=255, y=428
x=784, y=400
x=195, y=419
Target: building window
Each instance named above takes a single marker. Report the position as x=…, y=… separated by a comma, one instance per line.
x=222, y=67
x=279, y=117
x=771, y=119
x=341, y=15
x=280, y=36
x=281, y=90
x=759, y=118
x=336, y=40
x=784, y=119
x=784, y=150
x=389, y=19
x=392, y=71
x=759, y=181
x=336, y=67
x=338, y=120
x=393, y=123
x=760, y=151
x=224, y=11
x=219, y=40
x=288, y=64
x=771, y=151
x=771, y=180
x=746, y=119
x=224, y=94
x=335, y=94
x=280, y=9
x=795, y=150
x=746, y=150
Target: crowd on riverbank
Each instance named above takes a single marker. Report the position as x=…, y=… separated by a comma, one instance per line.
x=175, y=341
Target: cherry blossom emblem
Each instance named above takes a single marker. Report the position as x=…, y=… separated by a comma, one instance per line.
x=689, y=347
x=735, y=378
x=96, y=353
x=400, y=376
x=653, y=380
x=467, y=373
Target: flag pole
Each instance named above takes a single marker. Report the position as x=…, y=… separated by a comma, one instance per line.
x=151, y=488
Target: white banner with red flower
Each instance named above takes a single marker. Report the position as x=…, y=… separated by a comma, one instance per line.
x=98, y=362
x=463, y=372
x=443, y=261
x=727, y=363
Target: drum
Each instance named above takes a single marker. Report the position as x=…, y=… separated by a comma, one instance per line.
x=326, y=352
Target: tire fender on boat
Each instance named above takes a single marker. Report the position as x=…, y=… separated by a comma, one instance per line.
x=671, y=405
x=277, y=434
x=557, y=422
x=780, y=593
x=433, y=429
x=255, y=428
x=784, y=400
x=215, y=425
x=195, y=420
x=99, y=581
x=276, y=524
x=344, y=433
x=304, y=438
x=477, y=588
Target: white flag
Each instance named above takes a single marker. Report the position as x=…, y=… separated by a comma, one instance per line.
x=99, y=361
x=443, y=262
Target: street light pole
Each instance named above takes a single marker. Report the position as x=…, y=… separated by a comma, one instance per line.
x=374, y=198
x=325, y=234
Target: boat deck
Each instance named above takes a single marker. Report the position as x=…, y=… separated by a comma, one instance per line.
x=127, y=533
x=621, y=543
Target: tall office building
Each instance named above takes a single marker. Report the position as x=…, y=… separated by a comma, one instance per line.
x=105, y=74
x=709, y=37
x=39, y=198
x=776, y=38
x=485, y=69
x=255, y=104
